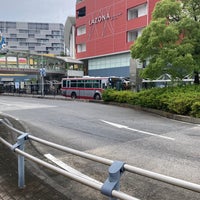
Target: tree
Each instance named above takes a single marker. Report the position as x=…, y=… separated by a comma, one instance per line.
x=171, y=42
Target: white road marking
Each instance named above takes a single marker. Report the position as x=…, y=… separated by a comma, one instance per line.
x=5, y=103
x=6, y=106
x=136, y=130
x=68, y=168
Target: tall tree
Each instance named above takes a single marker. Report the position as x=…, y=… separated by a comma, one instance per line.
x=171, y=42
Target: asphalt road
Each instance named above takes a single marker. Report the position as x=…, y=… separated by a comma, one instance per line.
x=139, y=138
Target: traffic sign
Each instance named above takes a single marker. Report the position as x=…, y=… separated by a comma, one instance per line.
x=42, y=72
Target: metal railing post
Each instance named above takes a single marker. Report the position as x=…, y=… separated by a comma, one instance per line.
x=113, y=180
x=21, y=173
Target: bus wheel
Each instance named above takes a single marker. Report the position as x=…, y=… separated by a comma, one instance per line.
x=73, y=95
x=97, y=97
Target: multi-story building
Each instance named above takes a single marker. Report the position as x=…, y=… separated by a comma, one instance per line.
x=69, y=36
x=106, y=29
x=45, y=38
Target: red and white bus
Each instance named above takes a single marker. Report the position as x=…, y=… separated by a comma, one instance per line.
x=88, y=87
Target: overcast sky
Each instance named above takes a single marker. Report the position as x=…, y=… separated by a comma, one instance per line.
x=51, y=11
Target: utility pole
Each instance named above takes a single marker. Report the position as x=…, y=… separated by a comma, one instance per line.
x=42, y=75
x=42, y=72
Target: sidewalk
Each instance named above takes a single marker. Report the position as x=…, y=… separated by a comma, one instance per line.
x=59, y=97
x=35, y=188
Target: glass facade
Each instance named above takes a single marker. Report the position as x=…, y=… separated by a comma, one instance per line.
x=113, y=65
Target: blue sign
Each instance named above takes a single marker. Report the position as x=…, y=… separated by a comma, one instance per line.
x=3, y=49
x=42, y=72
x=2, y=42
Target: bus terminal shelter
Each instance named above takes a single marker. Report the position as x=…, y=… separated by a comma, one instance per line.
x=19, y=69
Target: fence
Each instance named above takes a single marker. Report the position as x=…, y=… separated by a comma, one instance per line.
x=109, y=188
x=49, y=88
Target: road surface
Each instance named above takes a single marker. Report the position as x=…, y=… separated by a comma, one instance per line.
x=138, y=138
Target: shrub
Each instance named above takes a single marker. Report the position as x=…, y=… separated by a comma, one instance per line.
x=123, y=96
x=180, y=105
x=184, y=100
x=196, y=109
x=108, y=95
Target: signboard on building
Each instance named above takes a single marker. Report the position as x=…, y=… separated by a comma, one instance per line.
x=3, y=49
x=75, y=73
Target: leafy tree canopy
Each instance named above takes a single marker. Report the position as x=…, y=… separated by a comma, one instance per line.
x=171, y=42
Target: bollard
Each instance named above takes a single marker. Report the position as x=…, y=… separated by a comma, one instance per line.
x=113, y=181
x=20, y=144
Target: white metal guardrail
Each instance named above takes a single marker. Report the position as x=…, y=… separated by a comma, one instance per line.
x=109, y=188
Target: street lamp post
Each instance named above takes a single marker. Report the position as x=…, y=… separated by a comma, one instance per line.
x=42, y=74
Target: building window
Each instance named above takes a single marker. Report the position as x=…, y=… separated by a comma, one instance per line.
x=23, y=44
x=137, y=11
x=81, y=12
x=49, y=36
x=12, y=39
x=33, y=31
x=133, y=34
x=11, y=25
x=2, y=24
x=13, y=35
x=55, y=44
x=109, y=62
x=81, y=30
x=55, y=32
x=38, y=26
x=32, y=44
x=21, y=39
x=78, y=1
x=31, y=48
x=132, y=14
x=23, y=31
x=42, y=41
x=81, y=48
x=31, y=35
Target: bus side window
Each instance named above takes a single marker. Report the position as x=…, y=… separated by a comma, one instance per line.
x=88, y=83
x=80, y=84
x=68, y=84
x=64, y=83
x=96, y=84
x=73, y=83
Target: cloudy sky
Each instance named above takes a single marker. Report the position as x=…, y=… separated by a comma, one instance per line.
x=51, y=11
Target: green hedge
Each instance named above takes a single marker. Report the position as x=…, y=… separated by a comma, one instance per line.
x=183, y=100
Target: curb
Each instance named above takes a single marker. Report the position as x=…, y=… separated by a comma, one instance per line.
x=182, y=118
